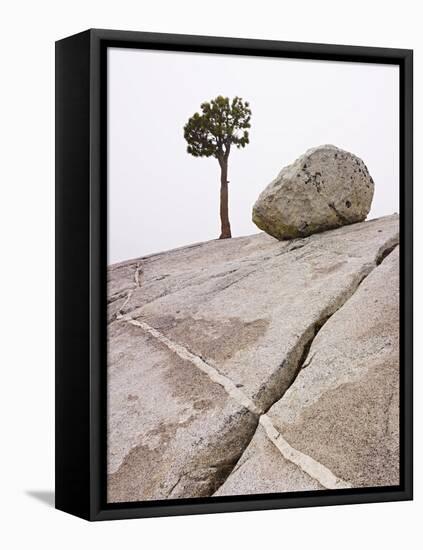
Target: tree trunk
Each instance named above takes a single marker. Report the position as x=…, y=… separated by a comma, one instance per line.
x=224, y=210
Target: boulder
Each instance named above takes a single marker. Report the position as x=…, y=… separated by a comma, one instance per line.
x=323, y=189
x=204, y=339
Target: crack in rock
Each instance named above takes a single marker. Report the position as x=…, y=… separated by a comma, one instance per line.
x=129, y=292
x=229, y=386
x=306, y=463
x=313, y=468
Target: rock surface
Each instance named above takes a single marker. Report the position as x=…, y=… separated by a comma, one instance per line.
x=173, y=431
x=323, y=189
x=343, y=408
x=204, y=339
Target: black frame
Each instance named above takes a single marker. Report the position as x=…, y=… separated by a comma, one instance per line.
x=81, y=260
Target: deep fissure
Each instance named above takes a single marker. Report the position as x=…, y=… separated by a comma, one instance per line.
x=380, y=257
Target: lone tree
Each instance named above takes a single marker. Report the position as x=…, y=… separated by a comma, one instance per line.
x=221, y=124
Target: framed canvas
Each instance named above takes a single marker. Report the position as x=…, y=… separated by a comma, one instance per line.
x=233, y=306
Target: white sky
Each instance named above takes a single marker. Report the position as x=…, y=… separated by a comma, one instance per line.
x=160, y=197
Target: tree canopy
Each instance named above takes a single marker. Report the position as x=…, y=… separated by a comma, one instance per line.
x=222, y=122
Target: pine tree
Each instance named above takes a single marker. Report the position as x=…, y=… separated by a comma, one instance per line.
x=221, y=124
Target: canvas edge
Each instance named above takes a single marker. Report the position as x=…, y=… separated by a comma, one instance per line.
x=89, y=455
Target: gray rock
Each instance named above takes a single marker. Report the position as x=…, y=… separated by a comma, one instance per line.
x=204, y=339
x=323, y=189
x=343, y=408
x=172, y=431
x=263, y=469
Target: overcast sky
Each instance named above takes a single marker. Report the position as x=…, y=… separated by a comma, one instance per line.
x=160, y=197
